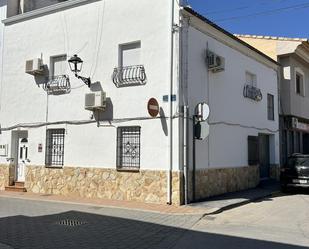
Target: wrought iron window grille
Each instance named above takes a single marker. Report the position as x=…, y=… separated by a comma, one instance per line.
x=128, y=148
x=54, y=156
x=253, y=93
x=129, y=76
x=57, y=85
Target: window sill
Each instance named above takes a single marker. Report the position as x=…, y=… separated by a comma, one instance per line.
x=45, y=10
x=53, y=167
x=130, y=170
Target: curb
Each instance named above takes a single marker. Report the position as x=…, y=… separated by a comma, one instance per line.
x=241, y=203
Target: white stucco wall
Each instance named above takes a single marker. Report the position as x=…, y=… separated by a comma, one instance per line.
x=94, y=31
x=227, y=145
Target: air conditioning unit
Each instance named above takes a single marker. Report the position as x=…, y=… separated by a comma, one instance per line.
x=215, y=62
x=294, y=123
x=34, y=66
x=95, y=101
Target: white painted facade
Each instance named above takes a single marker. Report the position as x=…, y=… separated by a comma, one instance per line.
x=231, y=114
x=95, y=30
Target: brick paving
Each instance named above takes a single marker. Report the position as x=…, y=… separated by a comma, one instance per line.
x=28, y=223
x=169, y=209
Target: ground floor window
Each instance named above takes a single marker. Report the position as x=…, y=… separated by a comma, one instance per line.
x=54, y=156
x=128, y=147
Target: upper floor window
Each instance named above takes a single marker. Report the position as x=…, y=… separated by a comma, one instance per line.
x=15, y=7
x=29, y=5
x=58, y=65
x=130, y=54
x=251, y=79
x=299, y=83
x=270, y=107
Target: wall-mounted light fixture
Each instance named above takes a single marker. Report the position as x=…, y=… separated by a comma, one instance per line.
x=76, y=65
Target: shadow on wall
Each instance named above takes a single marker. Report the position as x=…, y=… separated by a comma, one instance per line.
x=41, y=79
x=163, y=121
x=84, y=230
x=108, y=113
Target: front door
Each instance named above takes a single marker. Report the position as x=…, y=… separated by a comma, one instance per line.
x=264, y=156
x=22, y=159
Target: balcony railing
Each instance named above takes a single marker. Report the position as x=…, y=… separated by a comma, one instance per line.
x=57, y=85
x=253, y=93
x=129, y=76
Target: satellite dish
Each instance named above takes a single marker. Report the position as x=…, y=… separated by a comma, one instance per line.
x=202, y=112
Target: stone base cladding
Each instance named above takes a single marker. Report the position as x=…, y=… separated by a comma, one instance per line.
x=4, y=176
x=144, y=186
x=211, y=182
x=275, y=172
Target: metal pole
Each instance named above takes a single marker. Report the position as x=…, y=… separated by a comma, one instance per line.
x=169, y=174
x=193, y=160
x=186, y=158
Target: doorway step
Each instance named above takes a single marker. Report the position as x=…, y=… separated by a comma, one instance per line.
x=17, y=187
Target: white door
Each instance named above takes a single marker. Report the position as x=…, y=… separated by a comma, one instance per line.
x=22, y=159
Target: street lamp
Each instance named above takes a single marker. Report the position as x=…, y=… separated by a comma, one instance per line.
x=76, y=65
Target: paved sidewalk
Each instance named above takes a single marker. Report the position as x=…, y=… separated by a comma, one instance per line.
x=218, y=204
x=129, y=205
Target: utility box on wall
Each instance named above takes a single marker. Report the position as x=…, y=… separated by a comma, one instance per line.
x=4, y=149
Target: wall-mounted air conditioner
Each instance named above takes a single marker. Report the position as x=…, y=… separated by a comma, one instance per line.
x=95, y=101
x=34, y=66
x=294, y=123
x=215, y=62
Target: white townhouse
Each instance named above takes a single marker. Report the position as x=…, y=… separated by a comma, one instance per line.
x=88, y=131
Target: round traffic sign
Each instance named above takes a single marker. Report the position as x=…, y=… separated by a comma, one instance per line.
x=153, y=107
x=202, y=111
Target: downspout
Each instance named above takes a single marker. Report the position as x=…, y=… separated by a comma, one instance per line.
x=169, y=174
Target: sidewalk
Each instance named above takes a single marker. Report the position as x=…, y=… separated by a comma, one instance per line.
x=130, y=205
x=218, y=204
x=211, y=205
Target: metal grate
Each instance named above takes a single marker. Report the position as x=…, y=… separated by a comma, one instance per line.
x=253, y=93
x=128, y=147
x=54, y=147
x=57, y=85
x=130, y=75
x=71, y=223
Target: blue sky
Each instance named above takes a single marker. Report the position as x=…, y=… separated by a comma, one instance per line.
x=288, y=18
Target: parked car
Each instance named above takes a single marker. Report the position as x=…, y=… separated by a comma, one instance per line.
x=296, y=172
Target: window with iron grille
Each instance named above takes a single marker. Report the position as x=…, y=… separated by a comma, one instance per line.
x=128, y=147
x=54, y=156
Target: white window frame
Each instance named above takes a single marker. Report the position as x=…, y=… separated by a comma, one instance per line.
x=300, y=72
x=127, y=46
x=52, y=64
x=254, y=77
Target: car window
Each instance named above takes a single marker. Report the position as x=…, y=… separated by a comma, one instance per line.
x=298, y=162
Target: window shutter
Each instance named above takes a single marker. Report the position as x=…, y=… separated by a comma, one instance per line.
x=253, y=150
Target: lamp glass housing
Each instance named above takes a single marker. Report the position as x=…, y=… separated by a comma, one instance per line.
x=76, y=64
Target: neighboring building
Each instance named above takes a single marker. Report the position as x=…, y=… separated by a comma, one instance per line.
x=52, y=145
x=293, y=56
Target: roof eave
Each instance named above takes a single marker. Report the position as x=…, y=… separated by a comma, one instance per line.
x=207, y=21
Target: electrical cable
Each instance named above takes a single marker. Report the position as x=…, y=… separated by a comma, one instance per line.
x=80, y=122
x=269, y=12
x=100, y=41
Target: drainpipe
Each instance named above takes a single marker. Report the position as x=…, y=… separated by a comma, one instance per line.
x=169, y=175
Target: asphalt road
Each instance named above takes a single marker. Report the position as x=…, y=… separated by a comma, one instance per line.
x=280, y=222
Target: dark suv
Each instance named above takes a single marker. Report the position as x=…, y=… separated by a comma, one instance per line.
x=296, y=172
